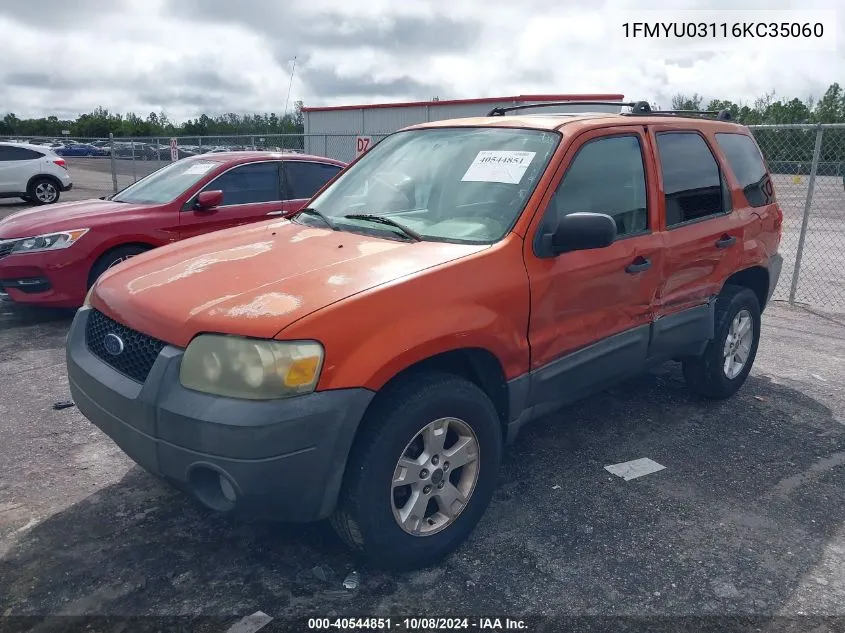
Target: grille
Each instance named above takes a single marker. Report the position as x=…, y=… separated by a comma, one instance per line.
x=139, y=350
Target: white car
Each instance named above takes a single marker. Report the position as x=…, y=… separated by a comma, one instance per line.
x=32, y=172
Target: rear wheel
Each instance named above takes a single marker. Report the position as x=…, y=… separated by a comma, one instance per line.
x=43, y=191
x=112, y=258
x=422, y=473
x=727, y=361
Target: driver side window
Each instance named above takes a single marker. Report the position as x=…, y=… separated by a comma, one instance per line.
x=249, y=184
x=606, y=175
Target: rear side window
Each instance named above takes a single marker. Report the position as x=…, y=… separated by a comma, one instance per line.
x=304, y=179
x=692, y=182
x=10, y=152
x=747, y=164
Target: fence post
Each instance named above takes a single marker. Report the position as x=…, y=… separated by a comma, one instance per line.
x=113, y=163
x=326, y=145
x=806, y=219
x=134, y=173
x=158, y=152
x=199, y=145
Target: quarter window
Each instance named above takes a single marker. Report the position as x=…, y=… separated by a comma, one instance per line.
x=606, y=176
x=692, y=182
x=747, y=164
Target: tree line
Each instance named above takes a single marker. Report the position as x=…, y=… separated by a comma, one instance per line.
x=787, y=150
x=100, y=122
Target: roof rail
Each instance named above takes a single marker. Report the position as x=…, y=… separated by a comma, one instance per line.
x=525, y=106
x=638, y=108
x=721, y=115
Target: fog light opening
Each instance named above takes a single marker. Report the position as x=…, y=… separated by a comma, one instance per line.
x=213, y=489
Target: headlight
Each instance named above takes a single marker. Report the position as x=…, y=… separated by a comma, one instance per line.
x=48, y=241
x=253, y=369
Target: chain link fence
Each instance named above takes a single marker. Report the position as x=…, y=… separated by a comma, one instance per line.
x=807, y=164
x=808, y=169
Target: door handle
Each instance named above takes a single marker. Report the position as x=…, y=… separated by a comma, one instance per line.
x=276, y=213
x=639, y=265
x=725, y=241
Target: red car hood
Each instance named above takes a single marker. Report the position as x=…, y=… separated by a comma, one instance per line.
x=255, y=280
x=61, y=217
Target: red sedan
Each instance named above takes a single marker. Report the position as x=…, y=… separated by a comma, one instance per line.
x=51, y=256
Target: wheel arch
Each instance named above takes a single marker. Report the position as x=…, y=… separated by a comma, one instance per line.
x=49, y=177
x=113, y=247
x=478, y=365
x=756, y=279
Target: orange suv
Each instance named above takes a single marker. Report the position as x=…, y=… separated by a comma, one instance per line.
x=367, y=359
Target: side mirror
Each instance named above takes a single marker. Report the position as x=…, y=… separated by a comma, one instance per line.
x=208, y=200
x=582, y=231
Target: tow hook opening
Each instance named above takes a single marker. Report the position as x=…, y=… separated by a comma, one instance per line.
x=214, y=489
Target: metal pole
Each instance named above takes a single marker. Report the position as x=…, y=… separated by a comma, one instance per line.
x=199, y=145
x=806, y=219
x=113, y=163
x=134, y=173
x=158, y=152
x=252, y=141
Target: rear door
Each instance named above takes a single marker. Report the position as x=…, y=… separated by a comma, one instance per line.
x=701, y=231
x=304, y=178
x=251, y=192
x=17, y=166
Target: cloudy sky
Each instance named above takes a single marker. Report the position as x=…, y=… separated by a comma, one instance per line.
x=185, y=57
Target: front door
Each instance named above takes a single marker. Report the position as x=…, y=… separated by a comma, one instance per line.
x=591, y=310
x=251, y=192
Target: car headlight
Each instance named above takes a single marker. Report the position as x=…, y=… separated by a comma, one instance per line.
x=48, y=241
x=253, y=369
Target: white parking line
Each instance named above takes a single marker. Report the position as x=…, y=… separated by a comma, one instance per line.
x=251, y=623
x=635, y=468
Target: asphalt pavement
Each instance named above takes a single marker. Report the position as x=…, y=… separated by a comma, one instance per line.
x=746, y=519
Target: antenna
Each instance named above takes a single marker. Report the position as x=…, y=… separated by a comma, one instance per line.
x=290, y=84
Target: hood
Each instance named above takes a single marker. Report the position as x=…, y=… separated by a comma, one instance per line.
x=61, y=217
x=255, y=280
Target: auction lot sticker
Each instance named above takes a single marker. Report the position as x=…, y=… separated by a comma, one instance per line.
x=499, y=166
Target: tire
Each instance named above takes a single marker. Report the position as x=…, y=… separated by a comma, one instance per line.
x=112, y=258
x=365, y=515
x=44, y=191
x=709, y=375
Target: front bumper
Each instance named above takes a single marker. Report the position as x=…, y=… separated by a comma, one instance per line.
x=282, y=459
x=49, y=279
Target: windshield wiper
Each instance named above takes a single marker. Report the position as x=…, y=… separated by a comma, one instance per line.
x=312, y=211
x=385, y=220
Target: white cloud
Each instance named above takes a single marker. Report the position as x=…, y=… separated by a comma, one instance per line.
x=213, y=56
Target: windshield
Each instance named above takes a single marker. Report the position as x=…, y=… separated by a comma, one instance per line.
x=466, y=185
x=167, y=183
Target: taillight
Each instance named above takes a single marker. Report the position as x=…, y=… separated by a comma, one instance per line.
x=60, y=162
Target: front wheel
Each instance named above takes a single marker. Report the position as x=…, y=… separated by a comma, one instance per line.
x=727, y=361
x=422, y=472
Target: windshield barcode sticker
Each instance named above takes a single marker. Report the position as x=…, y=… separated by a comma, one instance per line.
x=499, y=166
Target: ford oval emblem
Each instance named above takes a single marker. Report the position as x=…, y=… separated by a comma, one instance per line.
x=113, y=344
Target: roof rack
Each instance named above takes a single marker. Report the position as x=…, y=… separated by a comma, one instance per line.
x=638, y=108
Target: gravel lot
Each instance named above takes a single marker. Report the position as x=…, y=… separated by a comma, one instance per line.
x=747, y=518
